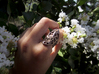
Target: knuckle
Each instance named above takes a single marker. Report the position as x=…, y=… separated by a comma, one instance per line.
x=39, y=56
x=24, y=32
x=45, y=20
x=24, y=45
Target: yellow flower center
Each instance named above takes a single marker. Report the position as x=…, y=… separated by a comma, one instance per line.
x=64, y=35
x=74, y=40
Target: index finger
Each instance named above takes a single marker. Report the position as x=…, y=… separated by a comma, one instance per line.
x=42, y=26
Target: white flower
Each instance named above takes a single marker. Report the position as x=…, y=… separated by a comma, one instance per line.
x=80, y=9
x=74, y=22
x=8, y=62
x=96, y=4
x=60, y=20
x=97, y=25
x=4, y=61
x=2, y=57
x=94, y=48
x=88, y=30
x=74, y=45
x=5, y=39
x=1, y=39
x=62, y=15
x=79, y=34
x=67, y=23
x=75, y=33
x=81, y=40
x=84, y=18
x=80, y=28
x=66, y=29
x=73, y=37
x=96, y=42
x=64, y=46
x=72, y=40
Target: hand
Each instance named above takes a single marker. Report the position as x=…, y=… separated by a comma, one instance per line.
x=32, y=56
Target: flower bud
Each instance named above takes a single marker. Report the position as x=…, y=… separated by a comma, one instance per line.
x=60, y=25
x=74, y=27
x=72, y=30
x=76, y=36
x=83, y=35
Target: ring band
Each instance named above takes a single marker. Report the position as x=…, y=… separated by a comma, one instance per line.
x=51, y=38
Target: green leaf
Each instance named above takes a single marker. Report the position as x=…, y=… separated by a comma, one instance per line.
x=11, y=9
x=29, y=16
x=61, y=61
x=34, y=7
x=57, y=70
x=44, y=7
x=12, y=28
x=71, y=62
x=71, y=13
x=97, y=72
x=20, y=7
x=71, y=1
x=3, y=19
x=73, y=51
x=8, y=8
x=2, y=23
x=37, y=18
x=81, y=2
x=60, y=53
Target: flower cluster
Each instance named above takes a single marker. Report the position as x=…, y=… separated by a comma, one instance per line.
x=8, y=44
x=75, y=33
x=92, y=39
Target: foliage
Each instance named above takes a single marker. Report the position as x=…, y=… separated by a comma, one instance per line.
x=17, y=15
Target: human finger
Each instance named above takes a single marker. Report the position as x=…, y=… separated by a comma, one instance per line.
x=28, y=30
x=42, y=26
x=51, y=38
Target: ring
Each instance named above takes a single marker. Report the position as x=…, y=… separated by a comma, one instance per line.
x=52, y=38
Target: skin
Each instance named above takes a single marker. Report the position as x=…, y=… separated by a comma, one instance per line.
x=32, y=56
